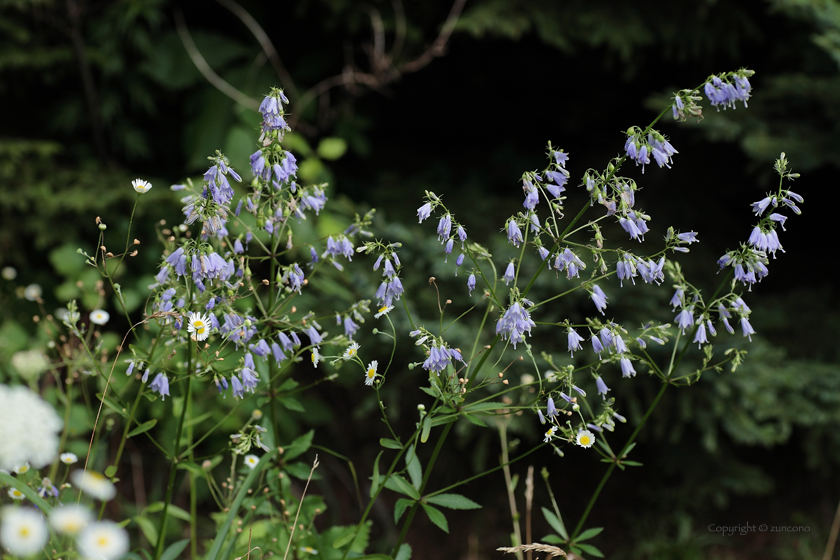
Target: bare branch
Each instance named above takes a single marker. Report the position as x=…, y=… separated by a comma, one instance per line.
x=439, y=46
x=399, y=32
x=208, y=72
x=267, y=46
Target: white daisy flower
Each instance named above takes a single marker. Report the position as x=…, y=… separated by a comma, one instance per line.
x=316, y=357
x=103, y=540
x=68, y=458
x=351, y=351
x=22, y=468
x=550, y=434
x=251, y=460
x=99, y=316
x=199, y=326
x=70, y=519
x=585, y=438
x=8, y=273
x=308, y=550
x=16, y=494
x=94, y=484
x=23, y=531
x=383, y=311
x=141, y=186
x=371, y=372
x=28, y=429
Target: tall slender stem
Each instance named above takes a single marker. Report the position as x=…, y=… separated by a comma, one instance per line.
x=612, y=466
x=173, y=469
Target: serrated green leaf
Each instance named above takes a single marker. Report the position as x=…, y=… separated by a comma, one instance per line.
x=485, y=406
x=436, y=516
x=344, y=538
x=398, y=484
x=588, y=534
x=400, y=507
x=147, y=528
x=375, y=483
x=174, y=550
x=192, y=467
x=441, y=420
x=591, y=550
x=144, y=427
x=299, y=446
x=390, y=443
x=555, y=523
x=452, y=501
x=415, y=471
x=113, y=405
x=404, y=553
x=291, y=403
x=427, y=427
x=552, y=539
x=475, y=420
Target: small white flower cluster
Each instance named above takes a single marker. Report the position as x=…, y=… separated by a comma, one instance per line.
x=28, y=429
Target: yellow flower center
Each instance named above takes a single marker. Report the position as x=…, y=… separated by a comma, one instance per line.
x=314, y=357
x=102, y=540
x=383, y=309
x=584, y=440
x=199, y=327
x=351, y=351
x=371, y=373
x=17, y=493
x=24, y=532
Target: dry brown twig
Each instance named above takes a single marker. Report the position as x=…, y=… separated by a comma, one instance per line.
x=382, y=71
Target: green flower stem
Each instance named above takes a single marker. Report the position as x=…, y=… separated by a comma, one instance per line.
x=68, y=401
x=174, y=467
x=193, y=487
x=485, y=473
x=271, y=365
x=612, y=466
x=376, y=495
x=124, y=438
x=428, y=471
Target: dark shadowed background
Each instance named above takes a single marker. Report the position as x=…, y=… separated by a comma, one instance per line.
x=98, y=93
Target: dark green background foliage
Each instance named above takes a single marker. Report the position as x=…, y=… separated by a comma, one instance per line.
x=96, y=94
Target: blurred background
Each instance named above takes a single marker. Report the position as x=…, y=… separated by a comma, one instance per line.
x=390, y=99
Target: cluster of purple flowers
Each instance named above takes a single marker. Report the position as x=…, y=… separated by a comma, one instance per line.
x=293, y=276
x=599, y=298
x=273, y=113
x=217, y=186
x=515, y=322
x=311, y=198
x=567, y=260
x=635, y=225
x=238, y=329
x=629, y=266
x=282, y=170
x=341, y=247
x=723, y=92
x=639, y=149
x=440, y=356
